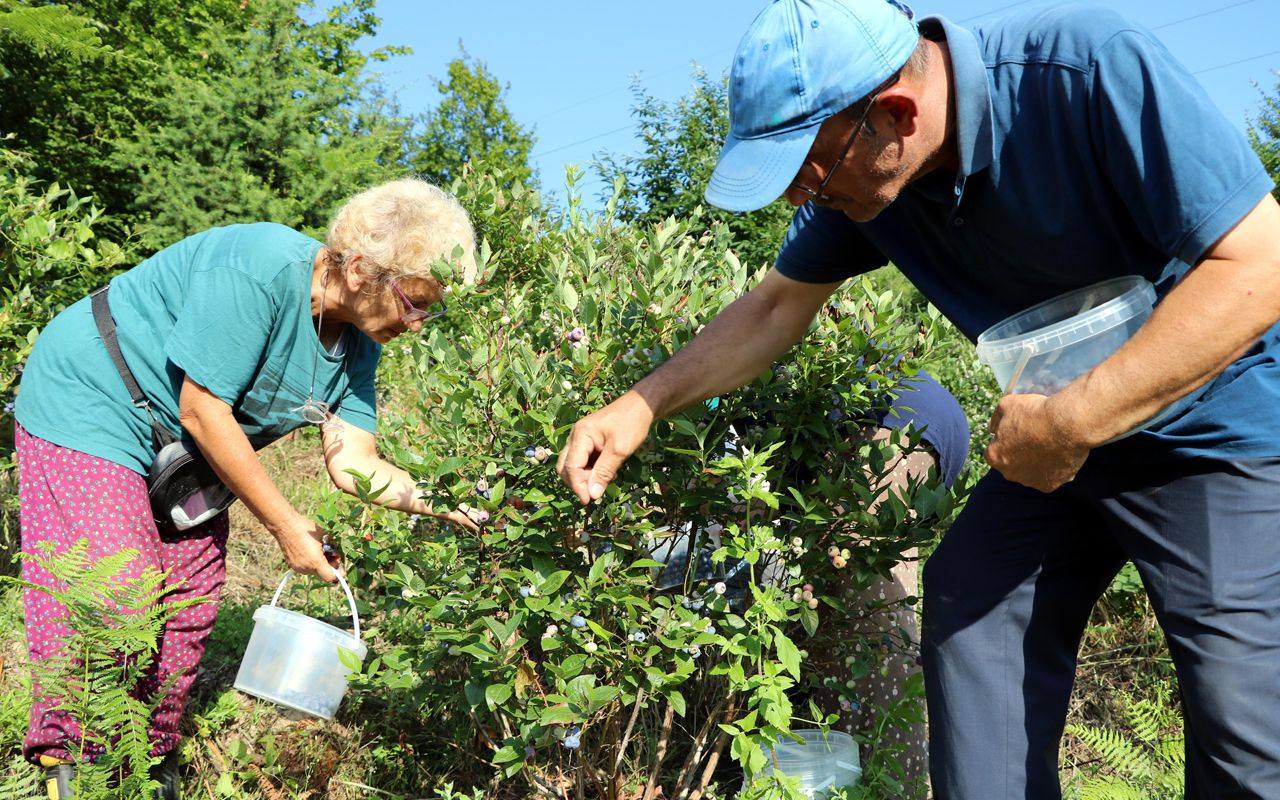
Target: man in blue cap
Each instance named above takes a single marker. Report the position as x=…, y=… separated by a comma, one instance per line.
x=997, y=167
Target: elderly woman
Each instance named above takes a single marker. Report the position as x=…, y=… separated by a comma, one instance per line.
x=235, y=336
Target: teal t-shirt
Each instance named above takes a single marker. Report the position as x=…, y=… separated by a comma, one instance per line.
x=229, y=307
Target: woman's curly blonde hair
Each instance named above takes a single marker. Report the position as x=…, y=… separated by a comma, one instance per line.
x=401, y=228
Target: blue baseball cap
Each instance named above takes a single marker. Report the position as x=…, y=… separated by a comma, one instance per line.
x=800, y=62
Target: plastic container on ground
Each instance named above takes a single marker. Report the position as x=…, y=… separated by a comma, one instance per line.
x=1044, y=348
x=821, y=763
x=293, y=660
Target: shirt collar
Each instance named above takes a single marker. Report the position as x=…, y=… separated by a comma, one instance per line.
x=972, y=98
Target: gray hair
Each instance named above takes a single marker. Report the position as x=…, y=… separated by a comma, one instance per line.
x=401, y=228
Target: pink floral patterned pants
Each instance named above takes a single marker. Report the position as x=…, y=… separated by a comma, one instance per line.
x=66, y=495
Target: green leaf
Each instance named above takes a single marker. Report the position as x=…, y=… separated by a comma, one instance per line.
x=553, y=582
x=507, y=754
x=601, y=695
x=677, y=702
x=495, y=694
x=475, y=694
x=556, y=715
x=448, y=466
x=788, y=653
x=349, y=659
x=809, y=619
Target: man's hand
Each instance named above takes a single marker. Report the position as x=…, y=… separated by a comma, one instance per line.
x=461, y=519
x=1031, y=446
x=600, y=442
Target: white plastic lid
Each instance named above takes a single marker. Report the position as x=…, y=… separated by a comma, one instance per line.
x=1067, y=318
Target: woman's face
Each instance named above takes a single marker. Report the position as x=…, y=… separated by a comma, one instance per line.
x=382, y=314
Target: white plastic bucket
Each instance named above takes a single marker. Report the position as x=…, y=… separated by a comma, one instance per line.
x=821, y=763
x=292, y=659
x=1045, y=347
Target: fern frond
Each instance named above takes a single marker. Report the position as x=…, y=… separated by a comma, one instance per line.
x=1117, y=753
x=51, y=30
x=1110, y=788
x=23, y=781
x=1147, y=719
x=115, y=622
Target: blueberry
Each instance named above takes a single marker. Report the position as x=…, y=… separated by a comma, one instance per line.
x=529, y=452
x=571, y=737
x=578, y=621
x=525, y=591
x=426, y=626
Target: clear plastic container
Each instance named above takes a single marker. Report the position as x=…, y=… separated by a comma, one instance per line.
x=820, y=763
x=1044, y=348
x=293, y=660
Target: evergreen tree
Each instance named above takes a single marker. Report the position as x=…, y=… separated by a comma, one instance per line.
x=68, y=113
x=280, y=125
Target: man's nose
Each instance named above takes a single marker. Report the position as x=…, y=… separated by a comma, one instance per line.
x=797, y=196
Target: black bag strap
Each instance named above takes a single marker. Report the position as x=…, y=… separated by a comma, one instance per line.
x=160, y=435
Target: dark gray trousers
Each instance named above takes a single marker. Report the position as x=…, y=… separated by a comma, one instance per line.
x=1009, y=590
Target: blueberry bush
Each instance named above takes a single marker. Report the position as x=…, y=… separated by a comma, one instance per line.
x=50, y=256
x=633, y=647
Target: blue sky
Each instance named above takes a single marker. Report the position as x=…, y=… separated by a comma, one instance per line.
x=569, y=64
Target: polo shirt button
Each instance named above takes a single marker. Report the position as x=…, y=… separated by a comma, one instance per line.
x=958, y=222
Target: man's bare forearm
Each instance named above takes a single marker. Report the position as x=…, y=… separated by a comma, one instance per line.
x=736, y=346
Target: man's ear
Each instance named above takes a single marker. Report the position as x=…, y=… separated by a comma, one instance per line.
x=899, y=110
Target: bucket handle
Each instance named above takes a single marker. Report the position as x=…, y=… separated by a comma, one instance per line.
x=351, y=601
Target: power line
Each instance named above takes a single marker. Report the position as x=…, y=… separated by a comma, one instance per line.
x=689, y=64
x=583, y=141
x=995, y=10
x=1234, y=63
x=1202, y=14
x=1006, y=7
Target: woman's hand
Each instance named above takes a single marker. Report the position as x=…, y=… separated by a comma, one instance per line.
x=302, y=544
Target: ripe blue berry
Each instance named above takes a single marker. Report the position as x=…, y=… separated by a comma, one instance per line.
x=578, y=621
x=571, y=737
x=525, y=591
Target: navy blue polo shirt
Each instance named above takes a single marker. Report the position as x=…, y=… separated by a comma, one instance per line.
x=1086, y=152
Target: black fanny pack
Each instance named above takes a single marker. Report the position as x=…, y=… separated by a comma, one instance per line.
x=183, y=488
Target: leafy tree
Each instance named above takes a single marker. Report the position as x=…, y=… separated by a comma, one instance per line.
x=1264, y=135
x=472, y=125
x=680, y=144
x=280, y=125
